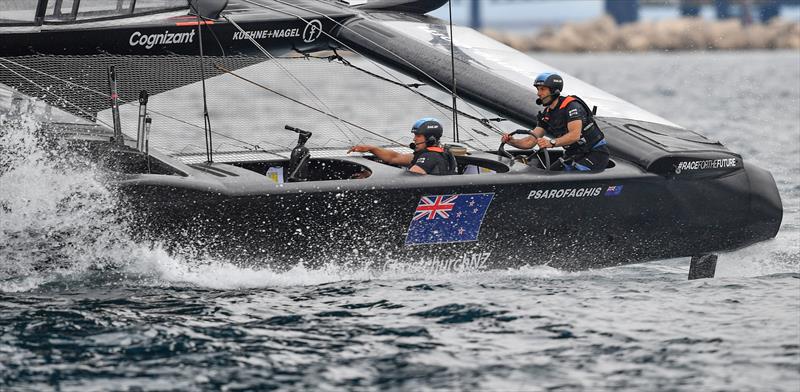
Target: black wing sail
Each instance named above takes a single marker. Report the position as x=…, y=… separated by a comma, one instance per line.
x=500, y=79
x=489, y=73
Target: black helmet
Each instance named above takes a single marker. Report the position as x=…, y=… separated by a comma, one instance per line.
x=431, y=128
x=552, y=80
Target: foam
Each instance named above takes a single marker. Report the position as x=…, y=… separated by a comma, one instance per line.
x=55, y=218
x=59, y=223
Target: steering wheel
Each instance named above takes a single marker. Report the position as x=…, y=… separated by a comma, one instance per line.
x=502, y=151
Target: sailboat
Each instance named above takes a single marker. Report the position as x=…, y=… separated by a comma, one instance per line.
x=224, y=128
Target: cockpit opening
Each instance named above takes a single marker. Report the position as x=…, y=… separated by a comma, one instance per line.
x=317, y=169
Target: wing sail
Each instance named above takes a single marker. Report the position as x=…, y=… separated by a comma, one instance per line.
x=488, y=73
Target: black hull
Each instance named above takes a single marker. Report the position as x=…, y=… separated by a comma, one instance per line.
x=669, y=193
x=250, y=220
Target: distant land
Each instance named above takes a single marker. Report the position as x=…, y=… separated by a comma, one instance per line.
x=603, y=34
x=531, y=16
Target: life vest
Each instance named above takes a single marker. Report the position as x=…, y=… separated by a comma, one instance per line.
x=591, y=135
x=449, y=158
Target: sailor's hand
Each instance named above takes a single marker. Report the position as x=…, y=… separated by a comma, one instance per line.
x=544, y=142
x=359, y=148
x=505, y=138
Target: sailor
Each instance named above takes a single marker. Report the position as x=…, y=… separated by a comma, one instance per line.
x=428, y=156
x=570, y=123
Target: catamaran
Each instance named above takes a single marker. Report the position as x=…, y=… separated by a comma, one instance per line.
x=223, y=126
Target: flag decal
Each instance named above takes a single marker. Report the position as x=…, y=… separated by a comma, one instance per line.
x=442, y=219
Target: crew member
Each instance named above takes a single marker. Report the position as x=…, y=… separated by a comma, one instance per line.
x=570, y=123
x=428, y=156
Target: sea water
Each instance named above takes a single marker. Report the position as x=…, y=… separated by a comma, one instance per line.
x=114, y=314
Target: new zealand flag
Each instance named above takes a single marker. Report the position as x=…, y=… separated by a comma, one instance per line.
x=614, y=190
x=448, y=218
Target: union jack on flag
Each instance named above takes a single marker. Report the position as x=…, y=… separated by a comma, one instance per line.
x=431, y=207
x=448, y=218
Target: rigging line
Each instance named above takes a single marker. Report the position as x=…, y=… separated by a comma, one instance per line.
x=453, y=70
x=308, y=90
x=344, y=27
x=56, y=78
x=337, y=40
x=56, y=95
x=206, y=118
x=211, y=30
x=410, y=87
x=482, y=121
x=102, y=94
x=151, y=110
x=444, y=88
x=71, y=83
x=256, y=146
x=354, y=51
x=331, y=37
x=333, y=116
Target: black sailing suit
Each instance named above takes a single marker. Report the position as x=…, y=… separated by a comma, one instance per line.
x=435, y=161
x=590, y=152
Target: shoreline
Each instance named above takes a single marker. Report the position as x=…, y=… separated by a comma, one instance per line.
x=685, y=34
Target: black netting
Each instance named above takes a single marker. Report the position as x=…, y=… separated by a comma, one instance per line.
x=79, y=84
x=248, y=119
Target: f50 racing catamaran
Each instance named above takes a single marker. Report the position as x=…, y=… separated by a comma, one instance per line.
x=134, y=73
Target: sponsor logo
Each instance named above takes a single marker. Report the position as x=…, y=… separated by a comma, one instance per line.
x=705, y=165
x=263, y=34
x=573, y=112
x=312, y=31
x=165, y=38
x=614, y=190
x=471, y=261
x=565, y=193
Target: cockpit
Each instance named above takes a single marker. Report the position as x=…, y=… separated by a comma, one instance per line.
x=301, y=167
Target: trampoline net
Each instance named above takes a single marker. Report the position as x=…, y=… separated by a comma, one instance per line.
x=331, y=96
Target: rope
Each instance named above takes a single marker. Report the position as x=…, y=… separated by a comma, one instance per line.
x=305, y=105
x=484, y=121
x=444, y=88
x=270, y=56
x=56, y=95
x=105, y=95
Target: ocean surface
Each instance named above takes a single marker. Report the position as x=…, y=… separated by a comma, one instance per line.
x=120, y=315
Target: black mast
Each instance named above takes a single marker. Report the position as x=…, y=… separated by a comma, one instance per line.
x=41, y=9
x=453, y=69
x=206, y=118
